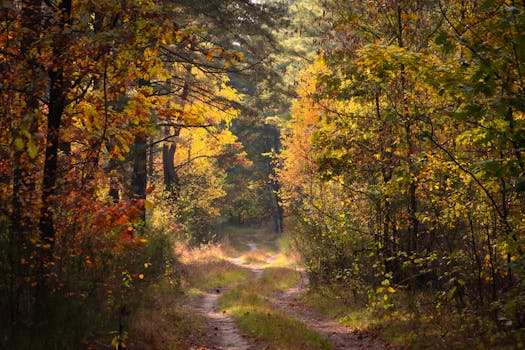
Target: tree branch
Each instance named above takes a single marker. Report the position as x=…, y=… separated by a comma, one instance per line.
x=164, y=139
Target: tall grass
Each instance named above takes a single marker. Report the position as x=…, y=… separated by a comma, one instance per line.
x=161, y=322
x=207, y=267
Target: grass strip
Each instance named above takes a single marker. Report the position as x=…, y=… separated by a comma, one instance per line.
x=249, y=304
x=214, y=274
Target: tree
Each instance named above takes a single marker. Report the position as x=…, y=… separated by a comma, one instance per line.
x=416, y=114
x=72, y=105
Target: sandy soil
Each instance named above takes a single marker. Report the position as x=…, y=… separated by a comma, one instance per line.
x=341, y=337
x=222, y=331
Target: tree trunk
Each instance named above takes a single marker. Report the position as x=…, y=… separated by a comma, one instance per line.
x=412, y=197
x=171, y=178
x=56, y=105
x=56, y=108
x=151, y=160
x=114, y=191
x=273, y=145
x=24, y=169
x=139, y=176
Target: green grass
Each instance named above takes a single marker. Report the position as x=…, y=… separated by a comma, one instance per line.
x=397, y=328
x=214, y=274
x=249, y=304
x=333, y=304
x=282, y=331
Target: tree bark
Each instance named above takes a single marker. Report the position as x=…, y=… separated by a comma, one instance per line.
x=139, y=176
x=171, y=178
x=56, y=105
x=23, y=181
x=56, y=108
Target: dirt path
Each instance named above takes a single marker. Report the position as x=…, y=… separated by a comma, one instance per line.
x=223, y=333
x=222, y=330
x=341, y=337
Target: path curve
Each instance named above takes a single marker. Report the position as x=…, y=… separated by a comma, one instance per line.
x=223, y=332
x=341, y=337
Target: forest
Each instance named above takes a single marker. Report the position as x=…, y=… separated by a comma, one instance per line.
x=224, y=174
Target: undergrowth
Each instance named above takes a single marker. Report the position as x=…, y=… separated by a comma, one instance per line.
x=162, y=322
x=414, y=322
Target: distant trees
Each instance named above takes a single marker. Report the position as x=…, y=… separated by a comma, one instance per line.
x=236, y=50
x=266, y=106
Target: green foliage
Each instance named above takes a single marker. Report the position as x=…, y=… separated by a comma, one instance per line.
x=407, y=129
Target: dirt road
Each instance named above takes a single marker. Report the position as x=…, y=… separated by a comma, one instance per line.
x=222, y=332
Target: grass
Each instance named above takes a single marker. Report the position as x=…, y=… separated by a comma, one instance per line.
x=205, y=275
x=249, y=304
x=206, y=268
x=161, y=322
x=421, y=326
x=238, y=236
x=289, y=253
x=335, y=305
x=280, y=253
x=399, y=327
x=257, y=257
x=279, y=247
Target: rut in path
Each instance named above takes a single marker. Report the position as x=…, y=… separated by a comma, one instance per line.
x=222, y=327
x=223, y=332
